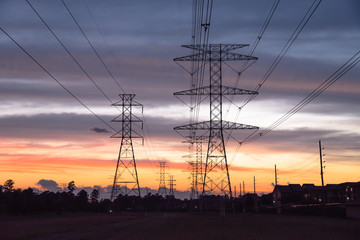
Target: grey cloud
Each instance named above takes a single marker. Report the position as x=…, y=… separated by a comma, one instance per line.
x=73, y=126
x=49, y=185
x=105, y=192
x=99, y=130
x=49, y=126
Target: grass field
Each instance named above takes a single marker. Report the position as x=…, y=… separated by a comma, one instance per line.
x=175, y=226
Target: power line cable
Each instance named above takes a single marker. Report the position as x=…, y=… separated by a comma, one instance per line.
x=112, y=76
x=245, y=65
x=108, y=70
x=145, y=130
x=67, y=50
x=352, y=62
x=106, y=44
x=256, y=43
x=287, y=46
x=92, y=47
x=66, y=89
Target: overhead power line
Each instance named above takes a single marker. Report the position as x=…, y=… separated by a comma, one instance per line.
x=352, y=62
x=251, y=52
x=258, y=38
x=284, y=50
x=92, y=47
x=67, y=50
x=148, y=146
x=66, y=89
x=263, y=28
x=147, y=139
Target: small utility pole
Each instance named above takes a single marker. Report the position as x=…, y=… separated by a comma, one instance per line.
x=321, y=166
x=254, y=186
x=243, y=188
x=235, y=190
x=276, y=191
x=240, y=190
x=321, y=172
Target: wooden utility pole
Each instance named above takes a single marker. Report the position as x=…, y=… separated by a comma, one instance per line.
x=321, y=165
x=254, y=186
x=243, y=188
x=276, y=192
x=240, y=190
x=275, y=176
x=235, y=190
x=321, y=172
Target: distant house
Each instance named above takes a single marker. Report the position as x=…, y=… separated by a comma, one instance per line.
x=348, y=192
x=250, y=200
x=351, y=191
x=334, y=193
x=292, y=193
x=312, y=193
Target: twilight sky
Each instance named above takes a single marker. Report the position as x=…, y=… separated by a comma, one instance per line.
x=46, y=134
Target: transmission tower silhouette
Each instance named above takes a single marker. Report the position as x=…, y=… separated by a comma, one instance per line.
x=162, y=184
x=196, y=164
x=172, y=184
x=126, y=179
x=216, y=173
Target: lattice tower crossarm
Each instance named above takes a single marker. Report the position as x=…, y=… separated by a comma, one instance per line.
x=126, y=179
x=216, y=174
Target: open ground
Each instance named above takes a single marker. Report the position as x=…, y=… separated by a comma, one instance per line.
x=176, y=226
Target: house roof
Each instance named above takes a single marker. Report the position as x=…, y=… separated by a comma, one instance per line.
x=311, y=187
x=289, y=189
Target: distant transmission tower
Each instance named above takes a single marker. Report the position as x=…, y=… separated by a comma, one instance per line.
x=126, y=178
x=196, y=165
x=172, y=184
x=216, y=173
x=162, y=183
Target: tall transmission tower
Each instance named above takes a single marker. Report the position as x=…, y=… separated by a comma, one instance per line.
x=162, y=183
x=126, y=179
x=216, y=172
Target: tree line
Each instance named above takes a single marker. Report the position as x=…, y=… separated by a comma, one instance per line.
x=27, y=201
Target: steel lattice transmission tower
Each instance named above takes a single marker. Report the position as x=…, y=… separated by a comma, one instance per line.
x=162, y=183
x=126, y=179
x=172, y=184
x=216, y=173
x=196, y=164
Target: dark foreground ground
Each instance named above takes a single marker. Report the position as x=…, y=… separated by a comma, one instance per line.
x=176, y=226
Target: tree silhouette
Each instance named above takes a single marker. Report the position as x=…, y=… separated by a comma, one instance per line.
x=9, y=185
x=82, y=200
x=94, y=196
x=71, y=186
